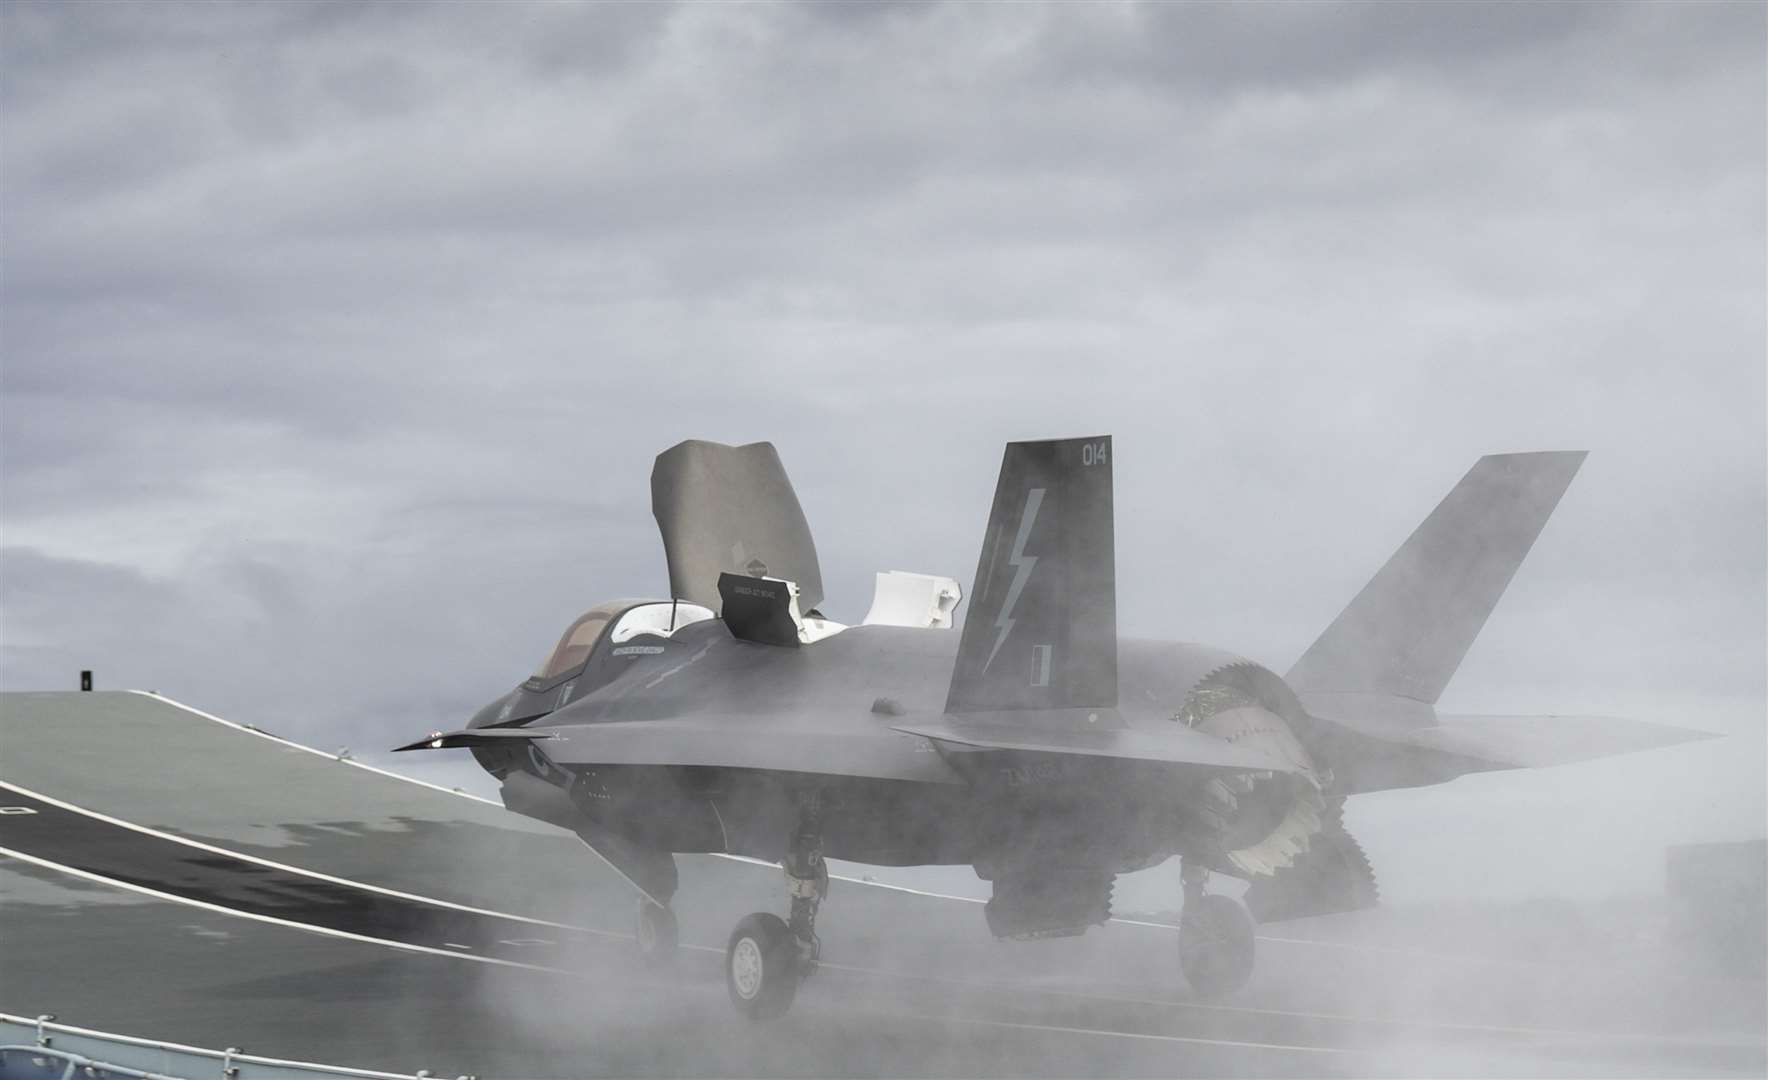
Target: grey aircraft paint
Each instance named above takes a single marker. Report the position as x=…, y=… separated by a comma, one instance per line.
x=1035, y=745
x=1047, y=583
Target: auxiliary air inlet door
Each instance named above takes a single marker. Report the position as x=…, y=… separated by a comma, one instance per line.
x=731, y=509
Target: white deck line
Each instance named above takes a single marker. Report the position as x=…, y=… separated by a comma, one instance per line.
x=493, y=802
x=1150, y=1036
x=1303, y=942
x=847, y=968
x=321, y=753
x=213, y=849
x=406, y=947
x=1341, y=1018
x=286, y=868
x=256, y=917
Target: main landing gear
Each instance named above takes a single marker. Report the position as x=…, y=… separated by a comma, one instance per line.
x=767, y=955
x=1215, y=937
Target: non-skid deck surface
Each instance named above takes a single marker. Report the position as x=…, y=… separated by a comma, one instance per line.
x=178, y=877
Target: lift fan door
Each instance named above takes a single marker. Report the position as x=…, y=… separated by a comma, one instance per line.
x=731, y=509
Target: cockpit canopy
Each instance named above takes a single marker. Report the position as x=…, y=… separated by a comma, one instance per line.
x=627, y=618
x=578, y=639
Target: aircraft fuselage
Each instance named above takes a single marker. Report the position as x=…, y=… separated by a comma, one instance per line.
x=704, y=698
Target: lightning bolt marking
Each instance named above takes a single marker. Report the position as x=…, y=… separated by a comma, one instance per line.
x=1022, y=565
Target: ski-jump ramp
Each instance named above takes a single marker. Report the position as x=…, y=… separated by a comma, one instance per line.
x=170, y=875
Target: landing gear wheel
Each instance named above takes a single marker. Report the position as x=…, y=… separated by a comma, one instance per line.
x=657, y=933
x=761, y=967
x=1215, y=945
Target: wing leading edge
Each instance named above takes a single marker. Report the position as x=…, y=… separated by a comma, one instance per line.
x=761, y=742
x=471, y=737
x=1170, y=743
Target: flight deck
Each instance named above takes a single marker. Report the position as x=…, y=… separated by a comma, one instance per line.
x=170, y=874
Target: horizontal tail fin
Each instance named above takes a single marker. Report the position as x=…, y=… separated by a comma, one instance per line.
x=1408, y=630
x=1041, y=632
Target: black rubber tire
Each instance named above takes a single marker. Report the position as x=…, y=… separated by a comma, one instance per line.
x=1216, y=945
x=658, y=934
x=761, y=967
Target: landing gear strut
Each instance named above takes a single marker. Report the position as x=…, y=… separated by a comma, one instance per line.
x=657, y=932
x=1215, y=937
x=766, y=955
x=807, y=880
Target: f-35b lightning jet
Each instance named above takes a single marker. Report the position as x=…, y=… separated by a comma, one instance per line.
x=1034, y=745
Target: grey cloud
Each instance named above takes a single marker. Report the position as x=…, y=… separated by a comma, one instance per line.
x=338, y=339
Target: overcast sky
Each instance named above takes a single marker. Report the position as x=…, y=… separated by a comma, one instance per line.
x=338, y=339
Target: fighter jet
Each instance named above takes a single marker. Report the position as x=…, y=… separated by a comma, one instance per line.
x=1033, y=744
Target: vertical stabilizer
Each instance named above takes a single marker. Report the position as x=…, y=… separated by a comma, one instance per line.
x=1041, y=632
x=1406, y=632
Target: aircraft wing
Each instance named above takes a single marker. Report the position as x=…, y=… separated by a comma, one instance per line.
x=1379, y=742
x=738, y=741
x=1171, y=743
x=1530, y=742
x=903, y=752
